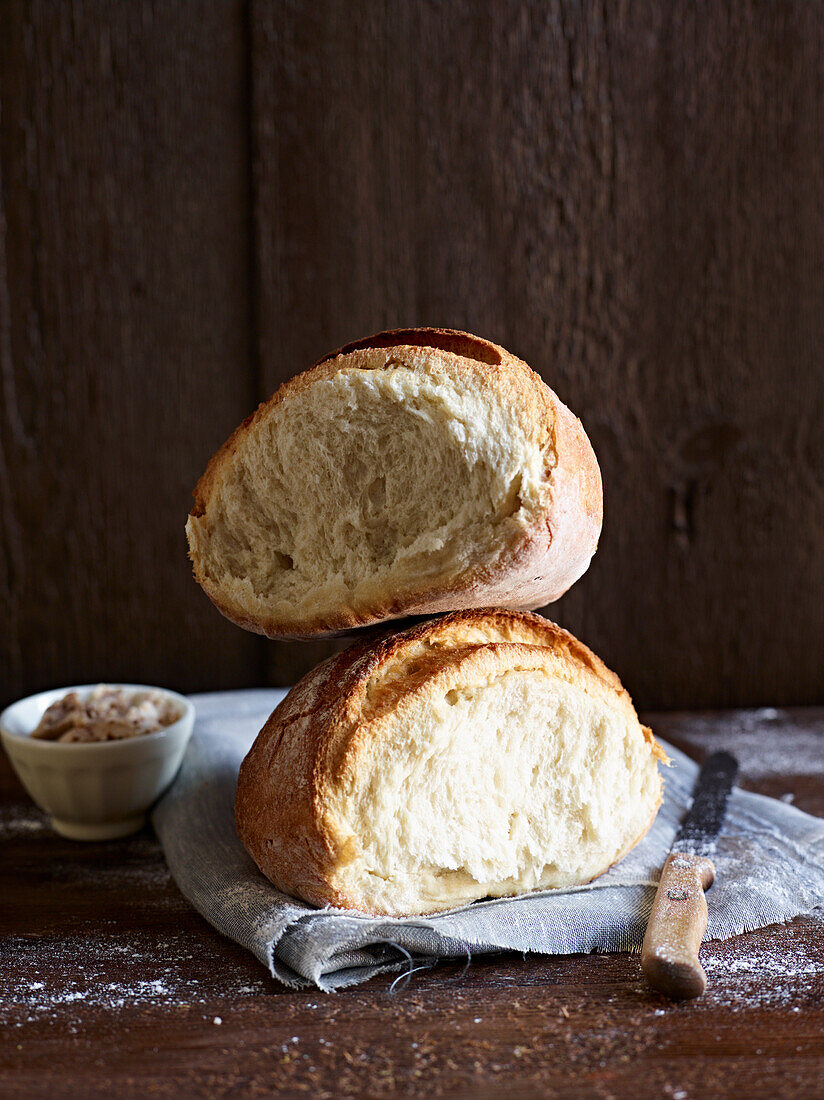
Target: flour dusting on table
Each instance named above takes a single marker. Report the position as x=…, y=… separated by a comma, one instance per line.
x=66, y=976
x=765, y=971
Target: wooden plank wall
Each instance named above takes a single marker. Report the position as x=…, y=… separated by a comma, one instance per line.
x=199, y=200
x=125, y=339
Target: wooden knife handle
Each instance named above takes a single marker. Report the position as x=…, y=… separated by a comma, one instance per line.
x=677, y=923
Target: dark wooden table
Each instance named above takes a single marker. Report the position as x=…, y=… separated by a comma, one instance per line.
x=111, y=986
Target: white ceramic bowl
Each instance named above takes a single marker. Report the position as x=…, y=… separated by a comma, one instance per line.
x=97, y=790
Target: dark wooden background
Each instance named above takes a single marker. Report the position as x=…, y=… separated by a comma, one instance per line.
x=199, y=199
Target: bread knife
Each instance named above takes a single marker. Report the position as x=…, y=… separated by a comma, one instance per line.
x=678, y=921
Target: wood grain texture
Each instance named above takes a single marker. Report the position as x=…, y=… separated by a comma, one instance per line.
x=629, y=196
x=676, y=927
x=198, y=200
x=124, y=333
x=110, y=985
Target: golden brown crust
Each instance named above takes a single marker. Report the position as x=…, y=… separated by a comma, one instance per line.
x=449, y=340
x=314, y=738
x=534, y=570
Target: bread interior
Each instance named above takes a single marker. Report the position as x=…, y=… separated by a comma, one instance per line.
x=519, y=782
x=365, y=481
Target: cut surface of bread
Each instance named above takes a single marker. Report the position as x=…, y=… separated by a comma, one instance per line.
x=418, y=471
x=479, y=754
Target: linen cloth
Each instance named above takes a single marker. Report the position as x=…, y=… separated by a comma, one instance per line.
x=769, y=861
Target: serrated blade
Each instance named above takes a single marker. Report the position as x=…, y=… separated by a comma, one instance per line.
x=702, y=823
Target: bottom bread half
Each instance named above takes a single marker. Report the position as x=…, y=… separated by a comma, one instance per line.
x=481, y=754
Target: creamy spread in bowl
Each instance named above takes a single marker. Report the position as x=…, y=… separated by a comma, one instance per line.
x=95, y=757
x=107, y=713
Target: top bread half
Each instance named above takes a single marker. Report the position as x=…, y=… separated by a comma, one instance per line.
x=417, y=471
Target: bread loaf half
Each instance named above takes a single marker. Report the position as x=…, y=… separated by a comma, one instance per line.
x=479, y=754
x=417, y=471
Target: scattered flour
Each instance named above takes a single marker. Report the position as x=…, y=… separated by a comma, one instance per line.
x=61, y=979
x=18, y=820
x=768, y=973
x=766, y=742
